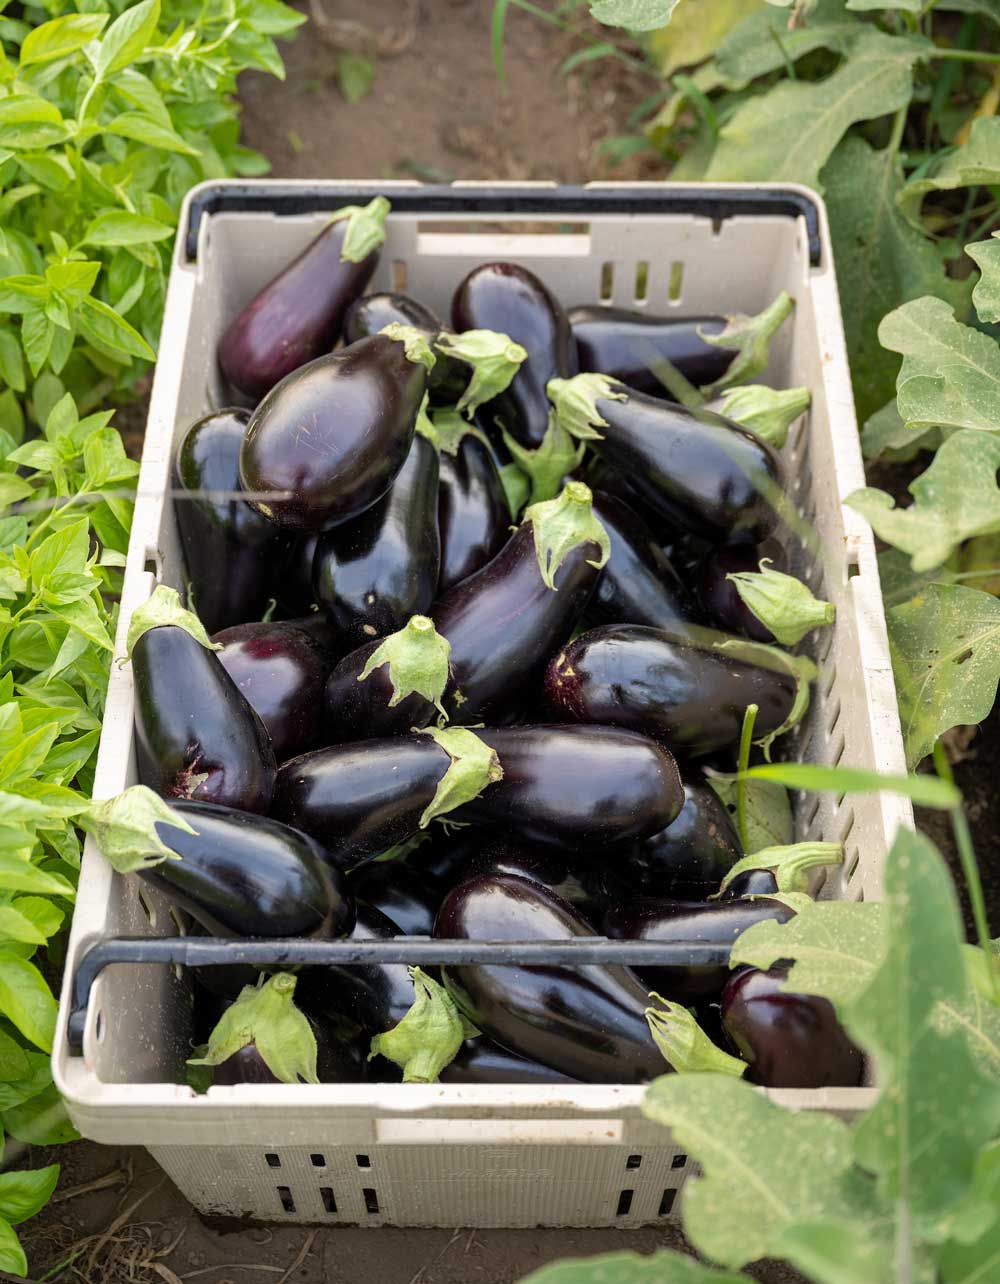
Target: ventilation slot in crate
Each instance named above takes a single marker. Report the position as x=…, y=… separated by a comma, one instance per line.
x=667, y=1202
x=329, y=1203
x=285, y=1195
x=371, y=1200
x=624, y=1203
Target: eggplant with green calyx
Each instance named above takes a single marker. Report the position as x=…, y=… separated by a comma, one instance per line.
x=480, y=1060
x=718, y=595
x=372, y=573
x=428, y=1036
x=232, y=554
x=784, y=607
x=506, y=619
x=700, y=470
x=638, y=349
x=587, y=1022
x=298, y=315
x=373, y=312
x=779, y=869
x=409, y=898
x=329, y=440
x=196, y=735
x=687, y=688
x=688, y=859
x=473, y=514
x=360, y=799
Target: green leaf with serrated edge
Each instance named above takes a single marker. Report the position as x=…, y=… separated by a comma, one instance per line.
x=26, y=1000
x=495, y=360
x=473, y=766
x=633, y=15
x=418, y=658
x=632, y=1268
x=414, y=341
x=789, y=863
x=266, y=1016
x=12, y=1258
x=547, y=465
x=945, y=647
x=428, y=1037
x=365, y=230
x=575, y=403
x=927, y=791
x=782, y=603
x=163, y=609
x=24, y=1193
x=124, y=828
x=788, y=133
x=767, y=412
x=563, y=524
x=975, y=163
x=768, y=810
x=685, y=1046
x=516, y=488
x=986, y=294
x=750, y=338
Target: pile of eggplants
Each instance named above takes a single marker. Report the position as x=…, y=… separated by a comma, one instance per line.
x=336, y=547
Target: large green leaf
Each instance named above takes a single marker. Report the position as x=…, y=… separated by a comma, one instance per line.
x=986, y=294
x=696, y=29
x=976, y=163
x=634, y=15
x=762, y=42
x=26, y=1000
x=631, y=1268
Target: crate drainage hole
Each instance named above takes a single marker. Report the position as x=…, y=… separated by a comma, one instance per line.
x=633, y=1161
x=329, y=1203
x=285, y=1195
x=678, y=1161
x=99, y=1029
x=363, y=1161
x=641, y=281
x=318, y=1161
x=371, y=1200
x=675, y=288
x=624, y=1203
x=607, y=281
x=667, y=1202
x=272, y=1161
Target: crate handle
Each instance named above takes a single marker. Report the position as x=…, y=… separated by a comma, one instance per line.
x=499, y=1132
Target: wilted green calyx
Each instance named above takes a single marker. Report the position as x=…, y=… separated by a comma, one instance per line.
x=562, y=524
x=417, y=660
x=125, y=828
x=575, y=403
x=790, y=864
x=428, y=1037
x=546, y=465
x=473, y=766
x=684, y=1044
x=267, y=1017
x=164, y=608
x=495, y=360
x=782, y=603
x=414, y=341
x=365, y=228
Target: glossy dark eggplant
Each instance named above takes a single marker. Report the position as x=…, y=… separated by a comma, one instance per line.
x=246, y=875
x=328, y=440
x=402, y=894
x=657, y=682
x=297, y=316
x=480, y=1060
x=338, y=1060
x=639, y=584
x=357, y=710
x=586, y=1022
x=233, y=555
x=688, y=859
x=790, y=1040
x=752, y=882
x=281, y=670
x=473, y=515
x=577, y=788
x=196, y=736
x=668, y=922
x=583, y=881
x=445, y=854
x=508, y=298
x=718, y=596
x=372, y=573
x=294, y=589
x=627, y=345
x=448, y=379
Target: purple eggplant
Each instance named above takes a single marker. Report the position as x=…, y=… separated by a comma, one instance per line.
x=448, y=378
x=673, y=922
x=688, y=859
x=628, y=345
x=473, y=515
x=663, y=684
x=790, y=1040
x=586, y=1022
x=752, y=882
x=361, y=699
x=372, y=573
x=718, y=595
x=338, y=1060
x=298, y=315
x=409, y=898
x=329, y=440
x=294, y=591
x=233, y=555
x=507, y=298
x=582, y=880
x=480, y=1060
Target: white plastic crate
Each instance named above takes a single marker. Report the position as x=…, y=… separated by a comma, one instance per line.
x=447, y=1155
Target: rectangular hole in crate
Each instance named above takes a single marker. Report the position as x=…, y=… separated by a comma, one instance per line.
x=678, y=1161
x=667, y=1202
x=624, y=1203
x=318, y=1161
x=285, y=1195
x=641, y=281
x=809, y=815
x=272, y=1161
x=362, y=1161
x=398, y=270
x=853, y=565
x=371, y=1200
x=851, y=862
x=675, y=286
x=633, y=1161
x=827, y=677
x=329, y=1203
x=148, y=909
x=845, y=825
x=825, y=645
x=607, y=282
x=833, y=713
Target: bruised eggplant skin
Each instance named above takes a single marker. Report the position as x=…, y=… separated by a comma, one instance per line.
x=329, y=439
x=232, y=554
x=196, y=736
x=586, y=1022
x=667, y=922
x=247, y=875
x=473, y=515
x=357, y=710
x=718, y=595
x=296, y=317
x=626, y=344
x=688, y=859
x=703, y=472
x=504, y=622
x=372, y=573
x=479, y=1060
x=447, y=380
x=656, y=682
x=576, y=787
x=511, y=300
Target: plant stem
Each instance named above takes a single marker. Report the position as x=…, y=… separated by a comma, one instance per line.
x=965, y=55
x=746, y=737
x=970, y=869
x=637, y=64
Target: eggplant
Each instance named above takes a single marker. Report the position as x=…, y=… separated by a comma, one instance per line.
x=577, y=788
x=688, y=859
x=718, y=595
x=481, y=1061
x=444, y=854
x=586, y=1022
x=196, y=735
x=338, y=1060
x=639, y=584
x=448, y=378
x=298, y=315
x=473, y=515
x=233, y=556
x=507, y=298
x=246, y=875
x=330, y=438
x=665, y=684
x=582, y=881
x=372, y=573
x=790, y=1040
x=701, y=471
x=752, y=882
x=627, y=345
x=674, y=922
x=409, y=898
x=359, y=708
x=281, y=669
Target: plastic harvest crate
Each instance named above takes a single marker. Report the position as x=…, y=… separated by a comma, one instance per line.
x=443, y=1155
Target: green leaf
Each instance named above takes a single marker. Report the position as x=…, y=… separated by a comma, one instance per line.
x=945, y=646
x=417, y=657
x=26, y=1000
x=15, y=927
x=42, y=914
x=750, y=338
x=563, y=524
x=974, y=1014
x=28, y=109
x=783, y=604
x=110, y=333
x=11, y=363
x=768, y=810
x=145, y=129
x=60, y=37
x=976, y=163
x=23, y=1194
x=14, y=1063
x=763, y=42
x=12, y=1258
x=124, y=828
x=928, y=791
x=986, y=294
x=20, y=876
x=127, y=37
x=767, y=412
x=685, y=1046
x=119, y=227
x=267, y=1017
x=633, y=15
x=428, y=1037
x=41, y=1120
x=632, y=1268
x=495, y=360
x=472, y=768
x=354, y=73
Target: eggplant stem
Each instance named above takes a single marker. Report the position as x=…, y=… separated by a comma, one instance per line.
x=746, y=739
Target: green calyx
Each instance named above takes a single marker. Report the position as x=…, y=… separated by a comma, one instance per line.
x=684, y=1044
x=428, y=1037
x=495, y=360
x=474, y=766
x=562, y=524
x=516, y=488
x=790, y=864
x=782, y=603
x=767, y=412
x=124, y=828
x=575, y=402
x=449, y=428
x=414, y=341
x=417, y=657
x=365, y=228
x=750, y=337
x=547, y=465
x=266, y=1016
x=164, y=608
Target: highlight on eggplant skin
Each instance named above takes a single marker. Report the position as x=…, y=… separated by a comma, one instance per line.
x=480, y=1060
x=407, y=897
x=627, y=344
x=689, y=858
x=473, y=516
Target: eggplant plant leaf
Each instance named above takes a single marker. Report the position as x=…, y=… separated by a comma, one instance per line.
x=633, y=15
x=986, y=294
x=976, y=163
x=768, y=810
x=763, y=43
x=633, y=1268
x=696, y=31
